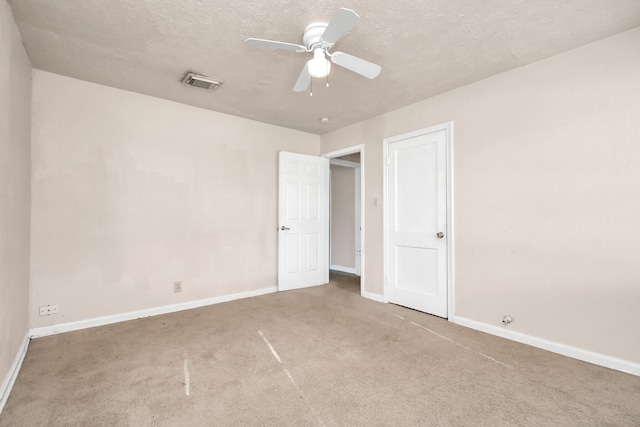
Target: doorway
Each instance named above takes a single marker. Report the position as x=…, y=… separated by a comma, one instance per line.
x=346, y=236
x=344, y=255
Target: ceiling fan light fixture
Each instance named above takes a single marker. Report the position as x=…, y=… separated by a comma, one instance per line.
x=319, y=66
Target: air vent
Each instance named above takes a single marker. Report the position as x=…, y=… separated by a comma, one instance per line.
x=204, y=82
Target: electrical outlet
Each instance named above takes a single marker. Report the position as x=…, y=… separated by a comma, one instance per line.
x=177, y=286
x=48, y=310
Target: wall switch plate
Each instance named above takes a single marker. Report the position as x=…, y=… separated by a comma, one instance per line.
x=47, y=310
x=177, y=286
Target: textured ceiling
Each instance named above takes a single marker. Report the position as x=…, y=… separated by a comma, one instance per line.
x=425, y=47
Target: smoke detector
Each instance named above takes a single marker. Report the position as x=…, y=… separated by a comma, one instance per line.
x=198, y=80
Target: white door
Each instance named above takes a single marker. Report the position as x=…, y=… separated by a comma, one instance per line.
x=416, y=240
x=303, y=221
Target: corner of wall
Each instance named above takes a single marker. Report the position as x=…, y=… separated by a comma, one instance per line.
x=15, y=199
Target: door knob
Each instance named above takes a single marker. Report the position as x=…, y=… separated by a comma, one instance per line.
x=440, y=235
x=283, y=228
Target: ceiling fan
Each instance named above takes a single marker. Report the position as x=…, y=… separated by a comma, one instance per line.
x=319, y=38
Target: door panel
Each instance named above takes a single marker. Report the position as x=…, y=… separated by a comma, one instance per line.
x=291, y=254
x=416, y=259
x=313, y=200
x=292, y=200
x=303, y=214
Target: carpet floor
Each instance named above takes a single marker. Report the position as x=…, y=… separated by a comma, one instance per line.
x=321, y=356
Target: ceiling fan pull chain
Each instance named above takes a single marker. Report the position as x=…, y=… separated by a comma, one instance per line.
x=311, y=88
x=328, y=65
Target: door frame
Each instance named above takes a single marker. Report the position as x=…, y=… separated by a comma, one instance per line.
x=357, y=270
x=448, y=128
x=343, y=152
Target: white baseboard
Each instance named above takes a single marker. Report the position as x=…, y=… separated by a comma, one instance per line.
x=11, y=376
x=350, y=270
x=107, y=320
x=565, y=350
x=374, y=297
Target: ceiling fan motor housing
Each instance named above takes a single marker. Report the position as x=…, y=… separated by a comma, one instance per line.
x=312, y=34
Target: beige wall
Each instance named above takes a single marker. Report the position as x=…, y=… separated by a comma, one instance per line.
x=131, y=193
x=15, y=141
x=343, y=213
x=547, y=195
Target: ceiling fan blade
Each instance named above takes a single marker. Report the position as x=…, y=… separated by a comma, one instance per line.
x=304, y=80
x=344, y=20
x=270, y=44
x=357, y=65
